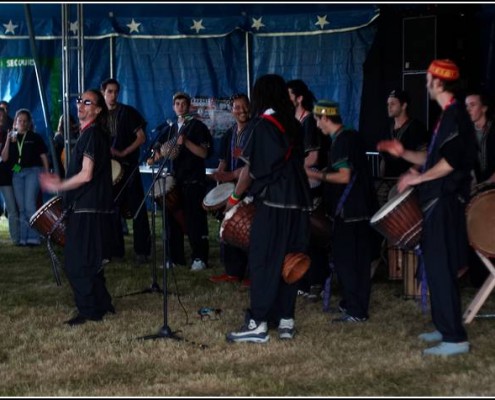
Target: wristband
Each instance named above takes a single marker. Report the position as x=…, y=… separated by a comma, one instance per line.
x=233, y=201
x=235, y=197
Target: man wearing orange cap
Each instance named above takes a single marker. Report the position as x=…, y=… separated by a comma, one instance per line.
x=443, y=185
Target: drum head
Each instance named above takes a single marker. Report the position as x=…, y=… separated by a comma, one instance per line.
x=218, y=195
x=116, y=171
x=480, y=221
x=163, y=185
x=391, y=204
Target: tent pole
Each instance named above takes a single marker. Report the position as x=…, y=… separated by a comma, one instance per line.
x=49, y=132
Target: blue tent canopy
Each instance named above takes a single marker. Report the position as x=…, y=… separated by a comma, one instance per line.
x=207, y=50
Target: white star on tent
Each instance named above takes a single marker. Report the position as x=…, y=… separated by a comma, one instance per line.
x=73, y=27
x=322, y=21
x=10, y=27
x=133, y=26
x=197, y=25
x=257, y=24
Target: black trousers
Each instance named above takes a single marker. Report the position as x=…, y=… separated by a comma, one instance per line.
x=444, y=245
x=83, y=258
x=275, y=232
x=196, y=224
x=351, y=249
x=128, y=203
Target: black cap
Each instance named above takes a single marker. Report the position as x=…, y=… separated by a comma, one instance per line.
x=400, y=95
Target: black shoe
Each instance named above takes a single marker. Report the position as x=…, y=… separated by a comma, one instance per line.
x=79, y=320
x=346, y=318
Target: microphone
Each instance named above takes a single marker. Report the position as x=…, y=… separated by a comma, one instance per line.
x=169, y=122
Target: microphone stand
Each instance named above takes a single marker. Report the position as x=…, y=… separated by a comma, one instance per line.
x=164, y=331
x=154, y=288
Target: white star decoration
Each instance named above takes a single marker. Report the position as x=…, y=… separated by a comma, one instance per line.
x=322, y=21
x=257, y=24
x=197, y=25
x=10, y=27
x=134, y=26
x=73, y=27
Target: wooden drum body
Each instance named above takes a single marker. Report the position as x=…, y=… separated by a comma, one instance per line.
x=480, y=221
x=165, y=190
x=49, y=218
x=400, y=220
x=236, y=226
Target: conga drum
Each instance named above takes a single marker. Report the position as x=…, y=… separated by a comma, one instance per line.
x=216, y=198
x=236, y=225
x=164, y=189
x=117, y=172
x=320, y=226
x=400, y=220
x=480, y=220
x=48, y=221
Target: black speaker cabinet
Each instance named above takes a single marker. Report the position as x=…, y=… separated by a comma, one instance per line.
x=419, y=42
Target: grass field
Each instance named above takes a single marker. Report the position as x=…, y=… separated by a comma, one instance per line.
x=40, y=356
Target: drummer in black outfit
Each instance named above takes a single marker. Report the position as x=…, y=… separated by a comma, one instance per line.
x=274, y=174
x=409, y=131
x=190, y=144
x=443, y=187
x=316, y=147
x=229, y=168
x=127, y=130
x=350, y=201
x=480, y=109
x=89, y=201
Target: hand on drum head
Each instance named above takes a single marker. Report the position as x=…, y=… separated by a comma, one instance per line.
x=222, y=176
x=394, y=147
x=410, y=178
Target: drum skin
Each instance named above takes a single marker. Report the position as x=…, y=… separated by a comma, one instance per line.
x=45, y=219
x=216, y=198
x=480, y=222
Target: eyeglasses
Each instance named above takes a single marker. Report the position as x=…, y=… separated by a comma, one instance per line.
x=86, y=102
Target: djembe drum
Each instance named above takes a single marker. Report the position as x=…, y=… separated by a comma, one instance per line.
x=48, y=221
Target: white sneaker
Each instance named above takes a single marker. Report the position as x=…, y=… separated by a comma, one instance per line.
x=286, y=328
x=198, y=265
x=251, y=332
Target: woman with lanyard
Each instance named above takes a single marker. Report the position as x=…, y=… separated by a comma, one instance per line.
x=26, y=154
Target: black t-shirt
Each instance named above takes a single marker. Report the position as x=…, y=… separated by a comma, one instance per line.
x=124, y=122
x=485, y=162
x=30, y=146
x=413, y=136
x=276, y=164
x=188, y=167
x=347, y=151
x=455, y=141
x=97, y=194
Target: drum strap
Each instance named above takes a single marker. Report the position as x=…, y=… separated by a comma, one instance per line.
x=51, y=252
x=421, y=271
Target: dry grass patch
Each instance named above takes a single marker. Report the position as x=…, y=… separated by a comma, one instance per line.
x=40, y=356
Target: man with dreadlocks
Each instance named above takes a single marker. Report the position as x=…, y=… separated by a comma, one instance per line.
x=274, y=173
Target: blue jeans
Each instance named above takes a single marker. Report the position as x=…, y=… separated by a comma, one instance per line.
x=13, y=213
x=26, y=188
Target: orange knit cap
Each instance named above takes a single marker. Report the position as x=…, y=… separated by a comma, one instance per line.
x=444, y=69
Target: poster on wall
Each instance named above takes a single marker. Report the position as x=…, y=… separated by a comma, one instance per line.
x=214, y=113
